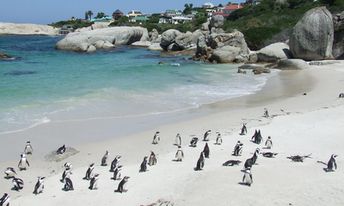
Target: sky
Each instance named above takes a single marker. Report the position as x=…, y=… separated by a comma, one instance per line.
x=48, y=11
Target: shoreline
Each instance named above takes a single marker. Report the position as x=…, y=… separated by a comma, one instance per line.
x=321, y=98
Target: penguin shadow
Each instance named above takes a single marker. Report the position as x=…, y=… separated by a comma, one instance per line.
x=124, y=191
x=175, y=160
x=67, y=190
x=22, y=169
x=15, y=189
x=143, y=171
x=231, y=163
x=197, y=169
x=244, y=184
x=8, y=178
x=194, y=146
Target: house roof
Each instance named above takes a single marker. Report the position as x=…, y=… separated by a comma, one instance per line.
x=232, y=7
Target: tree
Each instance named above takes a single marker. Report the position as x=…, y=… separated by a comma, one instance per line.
x=100, y=15
x=328, y=2
x=220, y=5
x=188, y=9
x=89, y=14
x=86, y=15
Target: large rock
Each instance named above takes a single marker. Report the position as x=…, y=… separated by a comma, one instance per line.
x=27, y=29
x=274, y=52
x=338, y=42
x=235, y=39
x=227, y=54
x=312, y=36
x=217, y=21
x=155, y=47
x=185, y=41
x=154, y=36
x=115, y=35
x=292, y=64
x=201, y=49
x=141, y=44
x=168, y=38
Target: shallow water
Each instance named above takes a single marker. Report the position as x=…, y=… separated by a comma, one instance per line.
x=45, y=84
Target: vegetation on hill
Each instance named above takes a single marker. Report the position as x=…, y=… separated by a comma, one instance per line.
x=269, y=19
x=78, y=23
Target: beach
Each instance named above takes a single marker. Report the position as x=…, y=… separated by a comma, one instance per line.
x=306, y=117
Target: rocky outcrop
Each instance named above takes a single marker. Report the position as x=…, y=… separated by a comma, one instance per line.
x=338, y=42
x=81, y=41
x=154, y=36
x=168, y=38
x=312, y=36
x=292, y=64
x=273, y=52
x=142, y=44
x=217, y=21
x=255, y=68
x=155, y=47
x=27, y=29
x=228, y=47
x=96, y=25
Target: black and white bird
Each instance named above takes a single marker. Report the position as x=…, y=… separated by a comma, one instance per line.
x=18, y=183
x=28, y=148
x=5, y=200
x=121, y=185
x=94, y=182
x=104, y=159
x=61, y=150
x=89, y=173
x=332, y=164
x=10, y=172
x=23, y=162
x=143, y=166
x=39, y=187
x=247, y=178
x=115, y=162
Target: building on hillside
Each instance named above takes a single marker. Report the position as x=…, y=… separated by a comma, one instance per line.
x=133, y=14
x=227, y=10
x=180, y=19
x=117, y=14
x=139, y=19
x=171, y=13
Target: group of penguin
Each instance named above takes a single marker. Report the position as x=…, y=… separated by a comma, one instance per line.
x=115, y=166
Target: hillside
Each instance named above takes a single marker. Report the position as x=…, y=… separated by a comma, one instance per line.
x=272, y=20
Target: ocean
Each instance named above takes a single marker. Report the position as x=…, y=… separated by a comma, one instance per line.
x=45, y=85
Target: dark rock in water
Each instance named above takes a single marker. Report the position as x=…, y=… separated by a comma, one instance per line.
x=6, y=57
x=19, y=73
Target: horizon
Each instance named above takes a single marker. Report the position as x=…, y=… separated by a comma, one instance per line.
x=44, y=12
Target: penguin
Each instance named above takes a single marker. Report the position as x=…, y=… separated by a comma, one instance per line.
x=115, y=162
x=238, y=149
x=254, y=135
x=218, y=139
x=266, y=113
x=268, y=143
x=39, y=187
x=94, y=182
x=143, y=167
x=5, y=200
x=121, y=185
x=68, y=165
x=206, y=135
x=206, y=150
x=247, y=178
x=89, y=172
x=257, y=137
x=68, y=183
x=10, y=172
x=179, y=154
x=18, y=184
x=332, y=165
x=66, y=173
x=23, y=162
x=200, y=162
x=251, y=161
x=193, y=142
x=28, y=150
x=178, y=140
x=104, y=159
x=117, y=173
x=152, y=159
x=243, y=129
x=61, y=150
x=156, y=138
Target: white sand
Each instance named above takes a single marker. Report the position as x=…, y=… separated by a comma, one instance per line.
x=308, y=124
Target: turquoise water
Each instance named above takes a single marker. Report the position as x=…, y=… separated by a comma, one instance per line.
x=45, y=85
